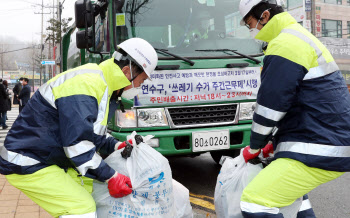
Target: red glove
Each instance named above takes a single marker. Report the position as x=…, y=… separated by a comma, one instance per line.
x=267, y=150
x=248, y=155
x=123, y=144
x=119, y=186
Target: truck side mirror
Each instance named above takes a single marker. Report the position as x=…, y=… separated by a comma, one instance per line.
x=84, y=39
x=83, y=13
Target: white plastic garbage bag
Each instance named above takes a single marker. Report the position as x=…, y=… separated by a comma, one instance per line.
x=234, y=176
x=151, y=180
x=182, y=201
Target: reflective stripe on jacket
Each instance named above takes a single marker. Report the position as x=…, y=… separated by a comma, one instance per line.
x=65, y=123
x=304, y=94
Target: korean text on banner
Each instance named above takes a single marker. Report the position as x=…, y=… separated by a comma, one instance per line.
x=200, y=85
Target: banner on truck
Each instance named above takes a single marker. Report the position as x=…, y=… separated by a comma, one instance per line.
x=170, y=87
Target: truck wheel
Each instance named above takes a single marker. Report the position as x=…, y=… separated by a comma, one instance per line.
x=216, y=155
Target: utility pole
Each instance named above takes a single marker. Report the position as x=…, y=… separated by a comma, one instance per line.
x=59, y=12
x=313, y=24
x=42, y=32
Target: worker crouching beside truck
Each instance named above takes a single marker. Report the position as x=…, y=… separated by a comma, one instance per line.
x=304, y=95
x=55, y=142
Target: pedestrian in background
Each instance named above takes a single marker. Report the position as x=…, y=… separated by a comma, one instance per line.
x=8, y=95
x=24, y=95
x=3, y=105
x=16, y=90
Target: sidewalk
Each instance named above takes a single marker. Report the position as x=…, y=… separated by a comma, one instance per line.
x=13, y=203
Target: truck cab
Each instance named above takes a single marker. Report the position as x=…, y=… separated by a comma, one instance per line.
x=201, y=96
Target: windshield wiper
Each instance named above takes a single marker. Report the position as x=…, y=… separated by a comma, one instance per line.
x=233, y=51
x=174, y=55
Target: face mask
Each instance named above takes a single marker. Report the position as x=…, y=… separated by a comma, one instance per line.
x=131, y=93
x=21, y=82
x=254, y=31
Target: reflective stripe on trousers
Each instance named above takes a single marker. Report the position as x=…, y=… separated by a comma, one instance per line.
x=306, y=210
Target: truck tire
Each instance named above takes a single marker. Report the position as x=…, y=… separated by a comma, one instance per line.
x=216, y=155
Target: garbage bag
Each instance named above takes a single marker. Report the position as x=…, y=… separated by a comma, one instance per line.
x=234, y=176
x=182, y=201
x=151, y=179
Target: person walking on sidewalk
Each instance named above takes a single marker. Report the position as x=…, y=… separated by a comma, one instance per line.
x=54, y=146
x=304, y=95
x=9, y=95
x=3, y=105
x=24, y=95
x=8, y=99
x=16, y=90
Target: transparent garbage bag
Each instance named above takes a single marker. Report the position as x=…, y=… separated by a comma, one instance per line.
x=234, y=176
x=182, y=201
x=151, y=179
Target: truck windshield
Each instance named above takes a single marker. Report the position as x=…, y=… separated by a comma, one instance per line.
x=184, y=26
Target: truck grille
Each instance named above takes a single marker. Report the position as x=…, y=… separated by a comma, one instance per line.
x=205, y=115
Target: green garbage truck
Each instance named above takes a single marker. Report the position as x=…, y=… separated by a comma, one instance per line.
x=203, y=90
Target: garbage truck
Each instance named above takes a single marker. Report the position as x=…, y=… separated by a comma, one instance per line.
x=201, y=96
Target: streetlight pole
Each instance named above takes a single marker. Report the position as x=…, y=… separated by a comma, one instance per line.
x=42, y=30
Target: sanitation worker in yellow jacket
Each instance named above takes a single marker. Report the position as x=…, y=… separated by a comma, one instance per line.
x=303, y=95
x=54, y=145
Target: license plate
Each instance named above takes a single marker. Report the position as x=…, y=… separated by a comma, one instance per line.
x=210, y=140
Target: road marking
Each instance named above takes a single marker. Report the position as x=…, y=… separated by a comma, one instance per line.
x=201, y=196
x=203, y=201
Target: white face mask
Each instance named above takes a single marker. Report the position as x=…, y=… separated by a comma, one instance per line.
x=21, y=82
x=254, y=31
x=131, y=93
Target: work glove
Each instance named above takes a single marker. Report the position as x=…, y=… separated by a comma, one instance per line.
x=121, y=145
x=119, y=185
x=267, y=150
x=249, y=154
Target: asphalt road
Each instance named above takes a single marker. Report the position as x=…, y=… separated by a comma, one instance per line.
x=199, y=175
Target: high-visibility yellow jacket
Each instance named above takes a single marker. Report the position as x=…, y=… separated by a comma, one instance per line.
x=65, y=122
x=304, y=95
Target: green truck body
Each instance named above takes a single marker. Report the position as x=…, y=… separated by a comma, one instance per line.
x=215, y=119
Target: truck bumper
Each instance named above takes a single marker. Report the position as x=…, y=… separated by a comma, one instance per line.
x=179, y=142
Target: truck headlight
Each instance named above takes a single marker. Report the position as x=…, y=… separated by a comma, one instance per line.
x=151, y=117
x=127, y=119
x=246, y=110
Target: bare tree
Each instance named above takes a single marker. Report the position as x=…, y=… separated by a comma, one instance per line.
x=34, y=58
x=3, y=56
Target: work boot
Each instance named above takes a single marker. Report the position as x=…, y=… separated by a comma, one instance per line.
x=5, y=127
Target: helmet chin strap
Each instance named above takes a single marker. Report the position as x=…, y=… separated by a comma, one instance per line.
x=122, y=90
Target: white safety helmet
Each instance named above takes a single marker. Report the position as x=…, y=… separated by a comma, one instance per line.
x=141, y=51
x=245, y=6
